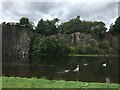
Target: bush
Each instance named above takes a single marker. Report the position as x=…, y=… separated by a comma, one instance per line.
x=85, y=49
x=17, y=24
x=111, y=50
x=82, y=49
x=48, y=46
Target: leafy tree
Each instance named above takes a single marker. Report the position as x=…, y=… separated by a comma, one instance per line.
x=24, y=21
x=47, y=46
x=85, y=49
x=115, y=28
x=105, y=47
x=47, y=27
x=115, y=31
x=99, y=29
x=41, y=27
x=3, y=23
x=17, y=24
x=104, y=44
x=70, y=26
x=96, y=28
x=117, y=25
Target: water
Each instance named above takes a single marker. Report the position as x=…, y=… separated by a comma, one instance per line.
x=91, y=69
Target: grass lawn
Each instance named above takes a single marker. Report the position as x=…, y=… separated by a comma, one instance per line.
x=0, y=83
x=18, y=82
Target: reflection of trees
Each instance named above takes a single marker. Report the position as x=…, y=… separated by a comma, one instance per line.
x=93, y=68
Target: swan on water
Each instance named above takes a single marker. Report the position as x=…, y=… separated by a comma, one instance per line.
x=104, y=64
x=107, y=80
x=85, y=64
x=67, y=70
x=77, y=69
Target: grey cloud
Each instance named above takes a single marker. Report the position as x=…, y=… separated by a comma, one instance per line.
x=119, y=8
x=95, y=10
x=105, y=11
x=32, y=10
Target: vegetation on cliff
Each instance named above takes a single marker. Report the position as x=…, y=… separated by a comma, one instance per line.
x=46, y=46
x=49, y=40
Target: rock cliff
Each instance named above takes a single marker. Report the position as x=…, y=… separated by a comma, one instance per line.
x=81, y=38
x=15, y=40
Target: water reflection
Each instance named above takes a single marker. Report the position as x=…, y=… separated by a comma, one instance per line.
x=90, y=69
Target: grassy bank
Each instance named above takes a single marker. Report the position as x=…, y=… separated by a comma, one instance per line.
x=18, y=82
x=0, y=83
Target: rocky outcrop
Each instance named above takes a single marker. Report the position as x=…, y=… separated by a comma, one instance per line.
x=15, y=40
x=81, y=38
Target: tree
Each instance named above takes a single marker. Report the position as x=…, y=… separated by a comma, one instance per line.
x=47, y=27
x=41, y=27
x=71, y=26
x=76, y=25
x=99, y=29
x=17, y=24
x=105, y=47
x=115, y=28
x=24, y=21
x=48, y=46
x=117, y=25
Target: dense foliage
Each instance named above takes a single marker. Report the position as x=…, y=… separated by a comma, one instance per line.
x=47, y=46
x=96, y=28
x=48, y=27
x=24, y=21
x=115, y=28
x=115, y=31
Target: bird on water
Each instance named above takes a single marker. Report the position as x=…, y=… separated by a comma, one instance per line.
x=77, y=69
x=104, y=64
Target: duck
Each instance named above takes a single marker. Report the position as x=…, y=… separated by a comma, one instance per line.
x=76, y=69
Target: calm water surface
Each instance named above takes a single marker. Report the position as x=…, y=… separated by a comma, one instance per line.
x=91, y=69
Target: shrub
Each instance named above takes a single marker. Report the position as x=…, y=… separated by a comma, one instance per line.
x=48, y=46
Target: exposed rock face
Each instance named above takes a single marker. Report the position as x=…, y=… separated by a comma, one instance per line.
x=78, y=37
x=15, y=40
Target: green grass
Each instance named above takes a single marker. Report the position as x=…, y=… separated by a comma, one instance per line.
x=0, y=83
x=18, y=82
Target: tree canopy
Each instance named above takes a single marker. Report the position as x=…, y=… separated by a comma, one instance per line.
x=24, y=21
x=76, y=25
x=48, y=46
x=115, y=28
x=48, y=27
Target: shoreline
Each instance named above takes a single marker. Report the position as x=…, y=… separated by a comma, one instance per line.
x=92, y=55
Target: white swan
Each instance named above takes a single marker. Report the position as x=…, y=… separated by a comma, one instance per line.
x=85, y=64
x=67, y=70
x=104, y=64
x=77, y=69
x=107, y=80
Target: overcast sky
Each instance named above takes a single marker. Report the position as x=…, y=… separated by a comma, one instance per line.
x=94, y=11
